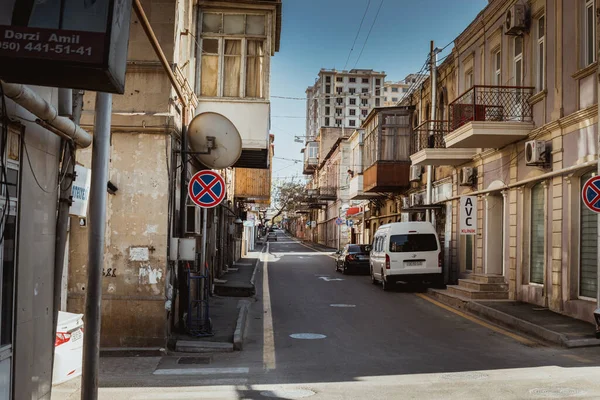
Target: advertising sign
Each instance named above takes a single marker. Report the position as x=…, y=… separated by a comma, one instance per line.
x=468, y=215
x=79, y=44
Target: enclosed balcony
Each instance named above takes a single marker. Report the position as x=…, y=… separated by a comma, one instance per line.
x=386, y=150
x=490, y=117
x=311, y=159
x=428, y=146
x=355, y=189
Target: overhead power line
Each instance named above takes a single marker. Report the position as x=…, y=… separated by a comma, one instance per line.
x=369, y=34
x=357, y=33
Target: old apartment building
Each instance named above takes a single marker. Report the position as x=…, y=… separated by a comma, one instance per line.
x=220, y=54
x=516, y=126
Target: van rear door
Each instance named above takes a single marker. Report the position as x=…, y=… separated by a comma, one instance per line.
x=413, y=253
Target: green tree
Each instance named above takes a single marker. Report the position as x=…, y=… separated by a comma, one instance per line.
x=288, y=196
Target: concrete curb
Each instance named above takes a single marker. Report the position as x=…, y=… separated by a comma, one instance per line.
x=240, y=327
x=200, y=346
x=256, y=266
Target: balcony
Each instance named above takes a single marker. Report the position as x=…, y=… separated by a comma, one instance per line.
x=490, y=117
x=355, y=189
x=386, y=176
x=321, y=194
x=428, y=146
x=310, y=164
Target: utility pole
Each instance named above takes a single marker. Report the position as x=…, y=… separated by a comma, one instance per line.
x=97, y=227
x=433, y=78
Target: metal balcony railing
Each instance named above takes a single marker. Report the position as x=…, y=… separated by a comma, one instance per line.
x=429, y=135
x=491, y=103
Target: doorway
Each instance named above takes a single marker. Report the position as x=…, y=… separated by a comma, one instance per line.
x=494, y=234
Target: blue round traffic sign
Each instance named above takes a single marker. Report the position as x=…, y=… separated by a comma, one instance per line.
x=590, y=194
x=339, y=221
x=207, y=189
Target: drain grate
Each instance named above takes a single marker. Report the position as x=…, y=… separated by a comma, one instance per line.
x=193, y=360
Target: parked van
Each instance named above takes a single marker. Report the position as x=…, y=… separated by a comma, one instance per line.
x=406, y=252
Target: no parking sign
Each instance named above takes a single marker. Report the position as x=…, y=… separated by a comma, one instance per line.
x=207, y=189
x=590, y=194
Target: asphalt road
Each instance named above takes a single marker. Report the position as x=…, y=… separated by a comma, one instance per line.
x=373, y=345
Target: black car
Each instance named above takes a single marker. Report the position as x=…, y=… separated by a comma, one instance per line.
x=353, y=257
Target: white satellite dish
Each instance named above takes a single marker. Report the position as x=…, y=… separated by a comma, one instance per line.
x=214, y=132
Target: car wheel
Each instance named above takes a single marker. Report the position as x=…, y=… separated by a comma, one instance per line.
x=373, y=280
x=384, y=284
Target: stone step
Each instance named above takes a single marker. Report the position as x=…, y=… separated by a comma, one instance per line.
x=444, y=296
x=487, y=278
x=481, y=286
x=476, y=294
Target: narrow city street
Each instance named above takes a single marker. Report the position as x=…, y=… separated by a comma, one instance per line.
x=355, y=341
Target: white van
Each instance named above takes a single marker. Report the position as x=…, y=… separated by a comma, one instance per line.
x=406, y=252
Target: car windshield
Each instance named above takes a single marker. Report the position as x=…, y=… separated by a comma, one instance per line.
x=359, y=249
x=413, y=242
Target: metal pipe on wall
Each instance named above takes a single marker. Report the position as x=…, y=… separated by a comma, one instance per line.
x=65, y=102
x=433, y=87
x=97, y=227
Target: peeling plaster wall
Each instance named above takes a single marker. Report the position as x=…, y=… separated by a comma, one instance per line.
x=133, y=309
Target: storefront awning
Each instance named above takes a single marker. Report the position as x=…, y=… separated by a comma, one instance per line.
x=353, y=211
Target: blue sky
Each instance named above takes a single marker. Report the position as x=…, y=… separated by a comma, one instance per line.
x=319, y=34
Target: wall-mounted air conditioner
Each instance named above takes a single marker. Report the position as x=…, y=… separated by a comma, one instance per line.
x=536, y=152
x=192, y=219
x=515, y=20
x=466, y=176
x=415, y=173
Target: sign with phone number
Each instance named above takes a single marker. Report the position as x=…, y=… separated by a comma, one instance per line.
x=87, y=47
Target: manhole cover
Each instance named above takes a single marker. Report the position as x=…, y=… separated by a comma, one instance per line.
x=307, y=336
x=288, y=393
x=457, y=376
x=555, y=393
x=342, y=305
x=193, y=360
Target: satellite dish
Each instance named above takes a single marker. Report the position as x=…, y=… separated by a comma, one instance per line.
x=213, y=131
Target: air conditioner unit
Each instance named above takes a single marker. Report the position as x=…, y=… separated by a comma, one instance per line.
x=192, y=219
x=406, y=202
x=535, y=152
x=415, y=173
x=515, y=20
x=467, y=176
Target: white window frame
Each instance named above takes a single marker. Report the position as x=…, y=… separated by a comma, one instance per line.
x=586, y=33
x=221, y=37
x=497, y=69
x=469, y=82
x=540, y=63
x=529, y=200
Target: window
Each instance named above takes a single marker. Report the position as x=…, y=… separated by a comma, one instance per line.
x=404, y=90
x=377, y=102
x=469, y=79
x=352, y=90
x=378, y=81
x=352, y=122
x=339, y=79
x=537, y=235
x=352, y=111
x=352, y=102
x=364, y=113
x=365, y=90
x=497, y=69
x=394, y=90
x=327, y=101
x=327, y=88
x=385, y=89
x=385, y=99
x=589, y=34
x=338, y=111
x=365, y=80
x=338, y=122
x=540, y=54
x=352, y=80
x=339, y=100
x=224, y=41
x=518, y=61
x=327, y=110
x=395, y=99
x=327, y=79
x=413, y=243
x=338, y=90
x=313, y=150
x=588, y=249
x=364, y=102
x=326, y=121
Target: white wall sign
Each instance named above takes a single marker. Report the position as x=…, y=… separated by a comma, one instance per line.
x=468, y=215
x=80, y=191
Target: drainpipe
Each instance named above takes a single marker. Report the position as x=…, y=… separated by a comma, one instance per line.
x=48, y=115
x=433, y=65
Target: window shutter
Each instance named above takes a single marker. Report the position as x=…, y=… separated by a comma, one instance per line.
x=588, y=262
x=536, y=263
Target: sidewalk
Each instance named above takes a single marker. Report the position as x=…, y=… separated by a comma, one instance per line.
x=526, y=318
x=228, y=309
